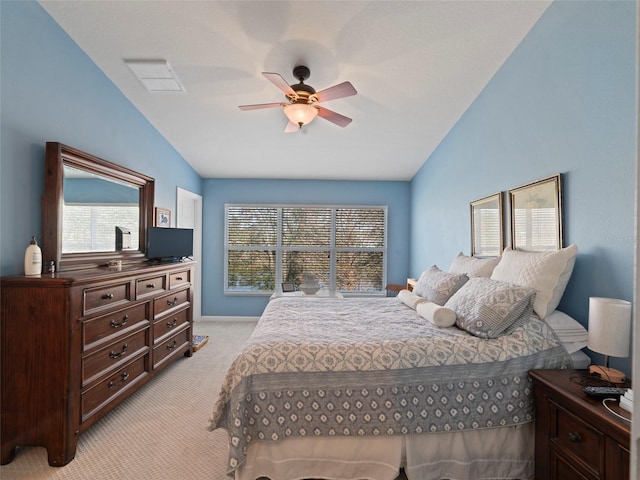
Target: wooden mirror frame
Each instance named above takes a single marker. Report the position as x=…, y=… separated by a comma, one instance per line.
x=59, y=155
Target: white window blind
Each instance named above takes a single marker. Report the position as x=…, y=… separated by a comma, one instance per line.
x=90, y=228
x=343, y=247
x=487, y=232
x=537, y=228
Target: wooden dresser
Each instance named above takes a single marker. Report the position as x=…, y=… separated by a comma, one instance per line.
x=74, y=345
x=576, y=437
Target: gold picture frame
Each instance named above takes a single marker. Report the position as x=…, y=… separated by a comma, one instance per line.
x=535, y=215
x=162, y=217
x=487, y=232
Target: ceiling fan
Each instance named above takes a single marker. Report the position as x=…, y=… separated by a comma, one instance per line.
x=303, y=106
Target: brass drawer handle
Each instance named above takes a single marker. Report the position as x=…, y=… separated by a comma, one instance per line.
x=151, y=285
x=171, y=347
x=115, y=324
x=113, y=354
x=574, y=437
x=107, y=296
x=123, y=378
x=172, y=303
x=172, y=324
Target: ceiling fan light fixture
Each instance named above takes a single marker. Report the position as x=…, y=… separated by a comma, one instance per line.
x=303, y=100
x=300, y=113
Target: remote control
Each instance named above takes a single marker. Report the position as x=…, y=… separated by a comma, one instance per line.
x=604, y=391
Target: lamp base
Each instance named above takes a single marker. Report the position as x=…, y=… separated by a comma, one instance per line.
x=609, y=374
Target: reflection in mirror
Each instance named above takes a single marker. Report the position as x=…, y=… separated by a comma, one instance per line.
x=486, y=226
x=96, y=211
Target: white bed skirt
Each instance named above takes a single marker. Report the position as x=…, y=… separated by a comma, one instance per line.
x=499, y=453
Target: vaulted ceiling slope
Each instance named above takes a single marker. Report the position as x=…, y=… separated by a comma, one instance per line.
x=417, y=66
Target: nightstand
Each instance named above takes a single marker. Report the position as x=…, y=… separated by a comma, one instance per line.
x=577, y=438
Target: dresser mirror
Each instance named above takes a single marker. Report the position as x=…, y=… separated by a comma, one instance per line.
x=93, y=211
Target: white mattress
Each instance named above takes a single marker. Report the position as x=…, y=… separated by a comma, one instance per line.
x=469, y=455
x=580, y=360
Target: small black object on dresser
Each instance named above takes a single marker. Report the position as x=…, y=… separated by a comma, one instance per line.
x=604, y=392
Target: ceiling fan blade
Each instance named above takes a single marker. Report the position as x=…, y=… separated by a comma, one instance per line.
x=344, y=89
x=334, y=117
x=291, y=128
x=281, y=83
x=261, y=105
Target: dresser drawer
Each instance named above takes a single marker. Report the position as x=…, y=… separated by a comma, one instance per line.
x=96, y=299
x=618, y=458
x=150, y=286
x=179, y=278
x=572, y=435
x=171, y=301
x=104, y=392
x=110, y=357
x=172, y=346
x=561, y=469
x=98, y=330
x=169, y=324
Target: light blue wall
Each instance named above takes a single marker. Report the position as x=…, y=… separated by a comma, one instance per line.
x=309, y=192
x=97, y=190
x=51, y=91
x=564, y=102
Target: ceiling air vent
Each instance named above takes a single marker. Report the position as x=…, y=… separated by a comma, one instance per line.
x=156, y=75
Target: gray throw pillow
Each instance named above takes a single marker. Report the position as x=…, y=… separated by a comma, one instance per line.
x=438, y=286
x=486, y=308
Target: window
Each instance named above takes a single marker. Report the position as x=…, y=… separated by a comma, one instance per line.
x=269, y=244
x=91, y=227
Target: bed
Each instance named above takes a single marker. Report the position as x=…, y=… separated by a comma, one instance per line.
x=361, y=387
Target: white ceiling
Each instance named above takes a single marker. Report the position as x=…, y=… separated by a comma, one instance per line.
x=417, y=66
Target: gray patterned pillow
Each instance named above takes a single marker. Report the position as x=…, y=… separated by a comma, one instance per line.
x=438, y=286
x=486, y=308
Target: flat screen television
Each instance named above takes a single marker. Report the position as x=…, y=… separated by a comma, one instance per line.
x=169, y=244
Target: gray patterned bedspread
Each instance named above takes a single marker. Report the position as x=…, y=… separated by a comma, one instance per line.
x=362, y=366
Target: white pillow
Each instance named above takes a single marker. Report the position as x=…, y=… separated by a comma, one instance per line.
x=410, y=299
x=439, y=316
x=473, y=266
x=573, y=347
x=547, y=272
x=570, y=332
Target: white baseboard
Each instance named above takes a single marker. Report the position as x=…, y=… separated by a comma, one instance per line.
x=226, y=319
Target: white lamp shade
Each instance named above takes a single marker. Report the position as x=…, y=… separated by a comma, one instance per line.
x=609, y=326
x=300, y=113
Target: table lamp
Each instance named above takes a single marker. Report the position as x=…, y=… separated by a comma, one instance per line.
x=609, y=334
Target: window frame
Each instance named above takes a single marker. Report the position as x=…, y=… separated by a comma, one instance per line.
x=279, y=248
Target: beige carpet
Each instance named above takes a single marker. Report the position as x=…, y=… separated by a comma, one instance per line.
x=158, y=433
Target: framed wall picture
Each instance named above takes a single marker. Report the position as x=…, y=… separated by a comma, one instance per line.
x=535, y=213
x=487, y=233
x=163, y=217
